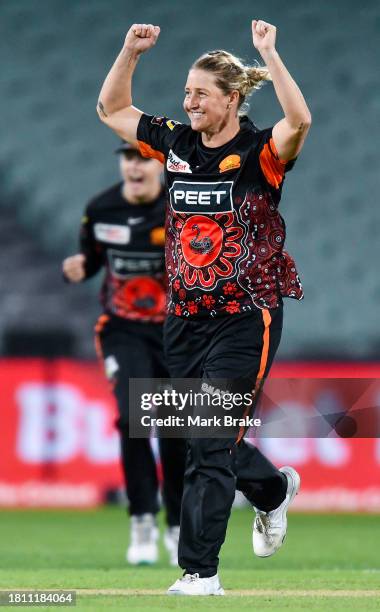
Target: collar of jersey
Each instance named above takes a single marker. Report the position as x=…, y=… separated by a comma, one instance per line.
x=245, y=124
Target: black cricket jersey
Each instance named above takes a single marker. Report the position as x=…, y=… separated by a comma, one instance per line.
x=224, y=233
x=128, y=240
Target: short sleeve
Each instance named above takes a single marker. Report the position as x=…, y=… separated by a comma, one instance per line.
x=272, y=167
x=154, y=136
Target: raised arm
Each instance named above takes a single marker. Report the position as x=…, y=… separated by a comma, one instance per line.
x=115, y=100
x=290, y=132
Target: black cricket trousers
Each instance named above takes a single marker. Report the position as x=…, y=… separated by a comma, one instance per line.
x=132, y=349
x=235, y=347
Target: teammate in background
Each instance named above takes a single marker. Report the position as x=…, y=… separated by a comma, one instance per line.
x=227, y=271
x=123, y=231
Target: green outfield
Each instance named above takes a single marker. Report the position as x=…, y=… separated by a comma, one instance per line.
x=330, y=562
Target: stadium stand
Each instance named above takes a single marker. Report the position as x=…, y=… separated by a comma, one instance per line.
x=55, y=151
x=36, y=312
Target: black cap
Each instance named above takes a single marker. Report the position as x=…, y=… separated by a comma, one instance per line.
x=126, y=146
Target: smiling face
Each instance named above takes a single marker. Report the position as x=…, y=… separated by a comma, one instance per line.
x=142, y=176
x=207, y=106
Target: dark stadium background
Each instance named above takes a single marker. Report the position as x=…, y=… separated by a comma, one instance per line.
x=58, y=444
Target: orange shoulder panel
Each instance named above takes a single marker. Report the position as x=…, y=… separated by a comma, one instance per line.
x=147, y=151
x=273, y=168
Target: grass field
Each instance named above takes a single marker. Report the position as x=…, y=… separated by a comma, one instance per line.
x=329, y=562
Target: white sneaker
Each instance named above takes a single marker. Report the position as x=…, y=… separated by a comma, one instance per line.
x=143, y=549
x=171, y=538
x=269, y=528
x=191, y=584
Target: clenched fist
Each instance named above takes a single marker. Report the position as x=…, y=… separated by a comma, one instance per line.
x=141, y=37
x=74, y=268
x=263, y=35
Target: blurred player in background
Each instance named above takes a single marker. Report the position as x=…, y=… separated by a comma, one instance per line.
x=227, y=271
x=123, y=231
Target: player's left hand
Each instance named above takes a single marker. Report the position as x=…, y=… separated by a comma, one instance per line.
x=263, y=35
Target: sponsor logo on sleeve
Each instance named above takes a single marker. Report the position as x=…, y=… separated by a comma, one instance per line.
x=176, y=164
x=231, y=162
x=208, y=198
x=171, y=124
x=114, y=234
x=157, y=120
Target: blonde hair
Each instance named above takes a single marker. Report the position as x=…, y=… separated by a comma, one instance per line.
x=232, y=74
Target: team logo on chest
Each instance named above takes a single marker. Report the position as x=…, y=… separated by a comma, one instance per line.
x=231, y=162
x=209, y=248
x=203, y=245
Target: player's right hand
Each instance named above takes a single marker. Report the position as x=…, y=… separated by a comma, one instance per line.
x=74, y=268
x=141, y=37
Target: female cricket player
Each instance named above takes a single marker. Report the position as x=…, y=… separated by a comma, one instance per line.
x=122, y=234
x=227, y=270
